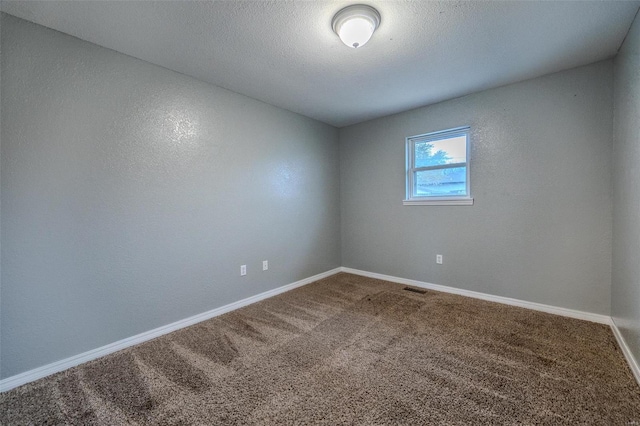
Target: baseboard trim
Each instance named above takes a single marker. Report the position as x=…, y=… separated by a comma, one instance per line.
x=633, y=364
x=571, y=313
x=58, y=366
x=64, y=364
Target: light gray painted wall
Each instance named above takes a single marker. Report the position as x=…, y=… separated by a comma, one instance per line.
x=540, y=229
x=132, y=194
x=625, y=288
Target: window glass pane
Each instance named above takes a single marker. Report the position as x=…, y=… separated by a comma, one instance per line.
x=445, y=151
x=441, y=182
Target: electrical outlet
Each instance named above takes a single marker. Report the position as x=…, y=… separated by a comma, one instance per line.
x=439, y=259
x=265, y=265
x=243, y=270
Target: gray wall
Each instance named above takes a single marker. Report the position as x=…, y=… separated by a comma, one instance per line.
x=540, y=229
x=625, y=289
x=131, y=195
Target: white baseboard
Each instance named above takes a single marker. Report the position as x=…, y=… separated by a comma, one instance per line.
x=55, y=367
x=571, y=313
x=633, y=364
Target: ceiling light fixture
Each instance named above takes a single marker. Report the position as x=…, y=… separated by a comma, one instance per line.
x=355, y=24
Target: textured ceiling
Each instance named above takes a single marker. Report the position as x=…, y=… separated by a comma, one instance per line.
x=285, y=53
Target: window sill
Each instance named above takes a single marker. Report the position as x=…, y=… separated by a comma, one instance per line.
x=445, y=202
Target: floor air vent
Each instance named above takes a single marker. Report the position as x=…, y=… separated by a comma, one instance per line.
x=415, y=290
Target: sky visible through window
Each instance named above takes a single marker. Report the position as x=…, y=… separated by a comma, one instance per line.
x=441, y=181
x=446, y=151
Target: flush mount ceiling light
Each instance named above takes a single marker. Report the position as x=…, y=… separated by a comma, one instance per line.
x=355, y=24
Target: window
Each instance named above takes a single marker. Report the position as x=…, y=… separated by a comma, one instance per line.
x=438, y=168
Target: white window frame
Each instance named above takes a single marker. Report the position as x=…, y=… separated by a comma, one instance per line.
x=458, y=200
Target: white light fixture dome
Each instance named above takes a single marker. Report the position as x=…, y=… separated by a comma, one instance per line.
x=355, y=24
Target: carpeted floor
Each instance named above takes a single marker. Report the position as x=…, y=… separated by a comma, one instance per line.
x=350, y=350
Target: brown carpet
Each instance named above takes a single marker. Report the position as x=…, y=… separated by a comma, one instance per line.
x=350, y=350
